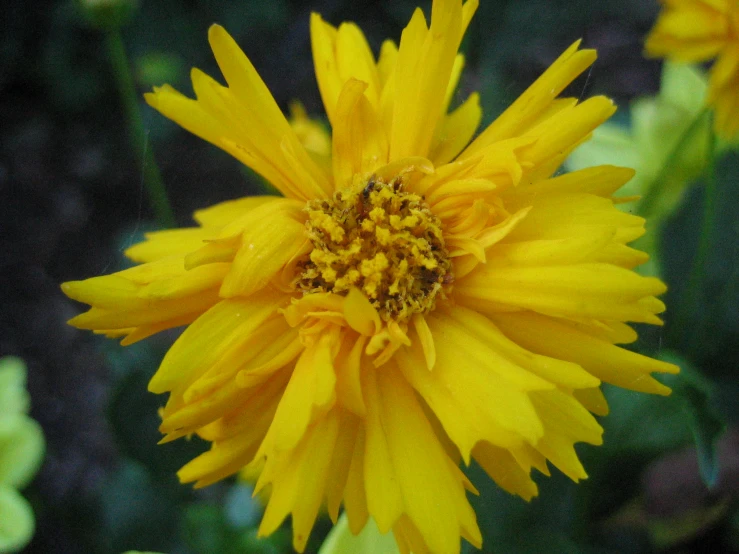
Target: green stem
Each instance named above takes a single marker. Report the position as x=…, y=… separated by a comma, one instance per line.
x=152, y=178
x=695, y=284
x=649, y=201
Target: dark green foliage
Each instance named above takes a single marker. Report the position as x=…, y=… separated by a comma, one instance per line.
x=52, y=65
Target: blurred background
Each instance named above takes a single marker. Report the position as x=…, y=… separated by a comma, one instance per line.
x=72, y=199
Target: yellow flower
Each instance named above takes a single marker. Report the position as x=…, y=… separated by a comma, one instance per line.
x=698, y=31
x=427, y=301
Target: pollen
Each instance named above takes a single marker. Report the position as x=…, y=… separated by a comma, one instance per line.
x=381, y=239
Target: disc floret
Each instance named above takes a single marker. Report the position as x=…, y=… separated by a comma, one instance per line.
x=384, y=241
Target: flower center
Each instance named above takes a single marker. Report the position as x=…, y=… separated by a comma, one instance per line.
x=382, y=240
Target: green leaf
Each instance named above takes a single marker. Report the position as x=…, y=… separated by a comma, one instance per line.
x=207, y=530
x=16, y=520
x=241, y=508
x=136, y=511
x=507, y=521
x=709, y=332
x=669, y=532
x=369, y=541
x=642, y=424
x=693, y=393
x=683, y=85
x=540, y=540
x=13, y=395
x=133, y=414
x=21, y=450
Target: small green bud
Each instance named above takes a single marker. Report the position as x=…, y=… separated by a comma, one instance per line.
x=16, y=520
x=22, y=448
x=107, y=15
x=14, y=398
x=156, y=68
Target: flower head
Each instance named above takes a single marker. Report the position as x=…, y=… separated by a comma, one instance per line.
x=698, y=31
x=428, y=299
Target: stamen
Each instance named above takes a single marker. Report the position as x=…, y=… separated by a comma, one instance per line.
x=382, y=240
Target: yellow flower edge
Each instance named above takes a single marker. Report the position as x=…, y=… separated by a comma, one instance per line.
x=700, y=31
x=418, y=300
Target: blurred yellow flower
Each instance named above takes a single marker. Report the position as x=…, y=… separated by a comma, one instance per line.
x=428, y=300
x=698, y=31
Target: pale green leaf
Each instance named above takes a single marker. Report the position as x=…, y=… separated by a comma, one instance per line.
x=21, y=449
x=13, y=395
x=369, y=541
x=683, y=85
x=16, y=520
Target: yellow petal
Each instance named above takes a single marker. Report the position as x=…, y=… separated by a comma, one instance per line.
x=456, y=130
x=341, y=461
x=135, y=334
x=583, y=290
x=566, y=422
x=359, y=142
x=426, y=338
x=724, y=70
x=386, y=61
x=212, y=252
x=354, y=60
x=223, y=213
x=144, y=295
x=555, y=370
x=214, y=392
x=432, y=489
x=348, y=385
x=338, y=56
x=360, y=314
x=310, y=393
x=272, y=234
x=186, y=284
x=599, y=357
x=203, y=342
x=266, y=118
x=236, y=436
x=471, y=403
x=562, y=251
x=299, y=480
x=593, y=400
x=456, y=73
x=232, y=118
x=603, y=180
x=457, y=187
x=355, y=496
x=556, y=216
x=692, y=24
x=537, y=98
x=382, y=485
x=503, y=468
x=559, y=134
x=162, y=244
x=422, y=73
